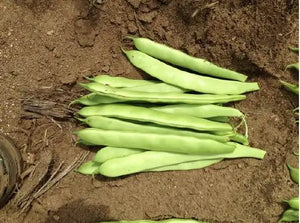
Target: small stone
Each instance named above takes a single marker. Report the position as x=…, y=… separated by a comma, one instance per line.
x=105, y=68
x=134, y=3
x=148, y=17
x=56, y=53
x=50, y=46
x=50, y=32
x=132, y=28
x=68, y=79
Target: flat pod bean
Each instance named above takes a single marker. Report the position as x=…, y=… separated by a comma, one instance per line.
x=202, y=111
x=155, y=97
x=106, y=123
x=293, y=66
x=294, y=172
x=289, y=215
x=294, y=203
x=181, y=59
x=148, y=160
x=137, y=113
x=119, y=82
x=239, y=152
x=291, y=87
x=151, y=141
x=186, y=80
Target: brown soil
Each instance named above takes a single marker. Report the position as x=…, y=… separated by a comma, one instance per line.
x=46, y=46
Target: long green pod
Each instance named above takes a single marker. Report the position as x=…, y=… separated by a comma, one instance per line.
x=293, y=66
x=101, y=122
x=239, y=152
x=291, y=87
x=174, y=220
x=120, y=82
x=187, y=166
x=186, y=80
x=289, y=215
x=145, y=161
x=293, y=203
x=294, y=49
x=155, y=97
x=108, y=153
x=156, y=142
x=294, y=172
x=181, y=59
x=137, y=113
x=201, y=111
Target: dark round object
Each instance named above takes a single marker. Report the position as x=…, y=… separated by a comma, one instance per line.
x=10, y=168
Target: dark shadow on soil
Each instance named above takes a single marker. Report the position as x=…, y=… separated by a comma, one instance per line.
x=78, y=211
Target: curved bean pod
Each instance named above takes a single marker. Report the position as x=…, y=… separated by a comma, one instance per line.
x=137, y=113
x=151, y=141
x=186, y=80
x=201, y=111
x=148, y=160
x=294, y=66
x=178, y=58
x=161, y=98
x=119, y=82
x=102, y=122
x=289, y=215
x=294, y=172
x=291, y=87
x=294, y=203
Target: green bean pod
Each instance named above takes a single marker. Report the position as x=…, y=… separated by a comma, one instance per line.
x=291, y=87
x=294, y=172
x=201, y=111
x=130, y=112
x=293, y=66
x=151, y=141
x=119, y=82
x=102, y=122
x=186, y=80
x=155, y=97
x=187, y=166
x=240, y=151
x=148, y=160
x=293, y=203
x=289, y=215
x=178, y=58
x=174, y=220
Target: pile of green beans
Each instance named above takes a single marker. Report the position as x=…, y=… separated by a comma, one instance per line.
x=177, y=122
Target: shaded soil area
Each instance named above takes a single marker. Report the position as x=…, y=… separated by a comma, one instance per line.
x=47, y=46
